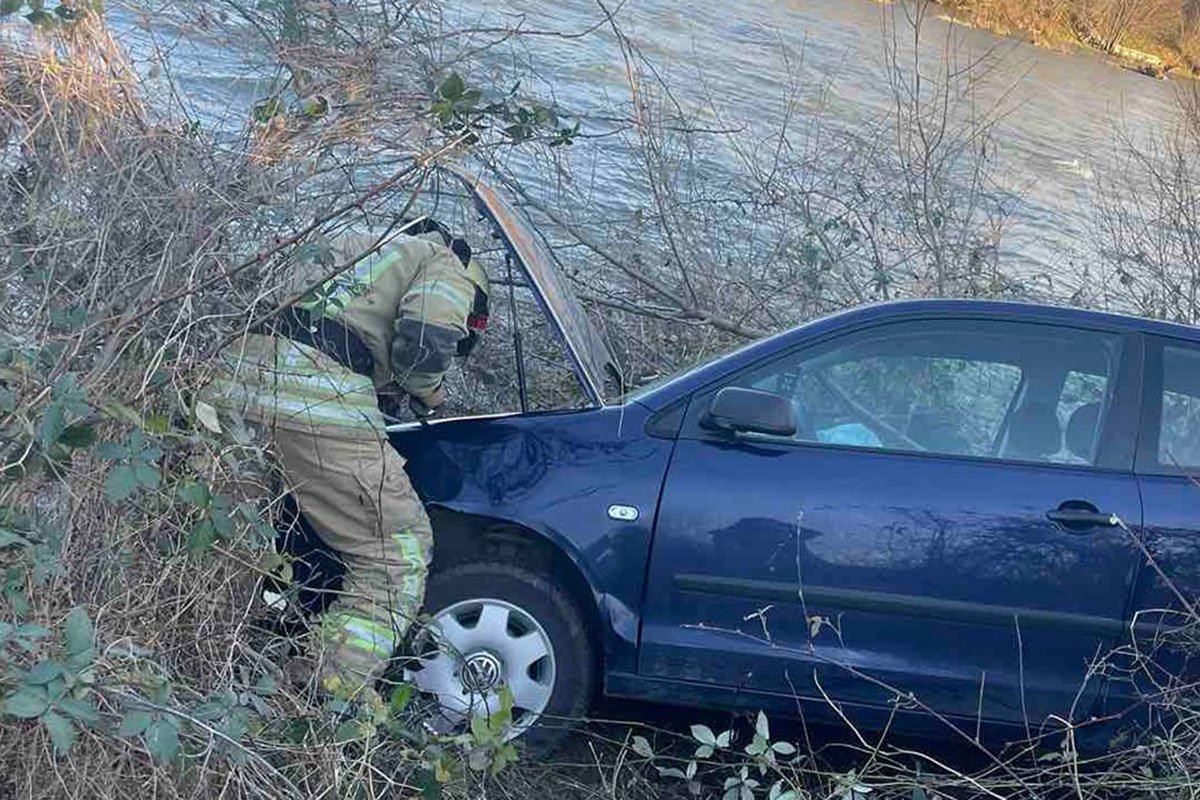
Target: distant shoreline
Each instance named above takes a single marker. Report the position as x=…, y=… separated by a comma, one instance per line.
x=1155, y=61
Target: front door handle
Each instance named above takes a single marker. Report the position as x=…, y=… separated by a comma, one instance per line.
x=1082, y=517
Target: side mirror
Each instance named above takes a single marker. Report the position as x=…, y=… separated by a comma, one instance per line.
x=750, y=411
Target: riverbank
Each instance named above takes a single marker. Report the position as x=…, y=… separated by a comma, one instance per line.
x=1155, y=48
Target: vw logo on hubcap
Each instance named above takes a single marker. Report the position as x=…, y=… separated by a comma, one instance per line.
x=481, y=672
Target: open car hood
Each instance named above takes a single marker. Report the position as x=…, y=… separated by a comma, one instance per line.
x=590, y=357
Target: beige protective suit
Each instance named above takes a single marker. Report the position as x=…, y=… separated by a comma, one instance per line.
x=403, y=310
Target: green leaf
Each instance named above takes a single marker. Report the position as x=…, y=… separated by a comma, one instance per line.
x=121, y=413
x=79, y=708
x=426, y=780
x=642, y=747
x=453, y=87
x=112, y=451
x=70, y=318
x=80, y=635
x=236, y=724
x=479, y=727
x=10, y=537
x=120, y=482
x=222, y=521
x=316, y=106
x=44, y=672
x=8, y=400
x=265, y=685
x=147, y=475
x=918, y=793
x=401, y=697
x=518, y=132
x=201, y=538
x=704, y=735
x=41, y=18
x=62, y=732
x=52, y=424
x=762, y=727
x=704, y=751
x=350, y=731
x=162, y=740
x=68, y=392
x=195, y=493
x=784, y=748
x=215, y=706
x=26, y=703
x=78, y=436
x=10, y=6
x=207, y=416
x=443, y=111
x=134, y=723
x=266, y=110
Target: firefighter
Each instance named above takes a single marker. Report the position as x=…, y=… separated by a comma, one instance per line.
x=314, y=379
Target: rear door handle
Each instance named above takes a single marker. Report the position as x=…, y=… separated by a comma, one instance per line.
x=1080, y=520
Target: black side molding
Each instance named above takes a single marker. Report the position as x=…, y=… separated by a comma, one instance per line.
x=827, y=597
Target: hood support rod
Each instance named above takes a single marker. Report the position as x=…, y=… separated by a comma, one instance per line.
x=522, y=391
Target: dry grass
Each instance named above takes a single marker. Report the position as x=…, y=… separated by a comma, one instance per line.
x=156, y=243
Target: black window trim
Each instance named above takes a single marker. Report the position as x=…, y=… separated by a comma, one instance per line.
x=1151, y=417
x=1119, y=437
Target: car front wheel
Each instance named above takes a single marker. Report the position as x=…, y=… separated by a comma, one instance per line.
x=496, y=625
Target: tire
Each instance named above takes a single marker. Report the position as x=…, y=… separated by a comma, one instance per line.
x=530, y=594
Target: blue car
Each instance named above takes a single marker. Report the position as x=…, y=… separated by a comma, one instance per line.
x=953, y=510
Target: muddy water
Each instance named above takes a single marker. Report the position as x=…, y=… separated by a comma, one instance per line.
x=1060, y=114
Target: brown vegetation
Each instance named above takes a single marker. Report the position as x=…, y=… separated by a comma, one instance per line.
x=1162, y=34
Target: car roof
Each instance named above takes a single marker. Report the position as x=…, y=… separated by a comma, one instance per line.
x=1060, y=314
x=912, y=309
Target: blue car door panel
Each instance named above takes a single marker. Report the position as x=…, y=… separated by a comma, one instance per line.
x=946, y=530
x=1168, y=464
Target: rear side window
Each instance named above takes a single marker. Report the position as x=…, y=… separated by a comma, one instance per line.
x=1179, y=429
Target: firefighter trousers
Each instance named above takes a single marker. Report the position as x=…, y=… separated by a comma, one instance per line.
x=328, y=435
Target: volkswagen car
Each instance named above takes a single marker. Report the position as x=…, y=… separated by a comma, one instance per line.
x=978, y=513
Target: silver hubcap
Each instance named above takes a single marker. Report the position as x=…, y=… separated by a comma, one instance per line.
x=477, y=647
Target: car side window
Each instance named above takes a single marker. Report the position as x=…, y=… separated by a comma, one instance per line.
x=986, y=389
x=941, y=403
x=1179, y=429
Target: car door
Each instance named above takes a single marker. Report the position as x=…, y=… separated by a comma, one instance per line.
x=943, y=522
x=1168, y=467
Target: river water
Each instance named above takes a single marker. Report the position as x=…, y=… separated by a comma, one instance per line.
x=1060, y=114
